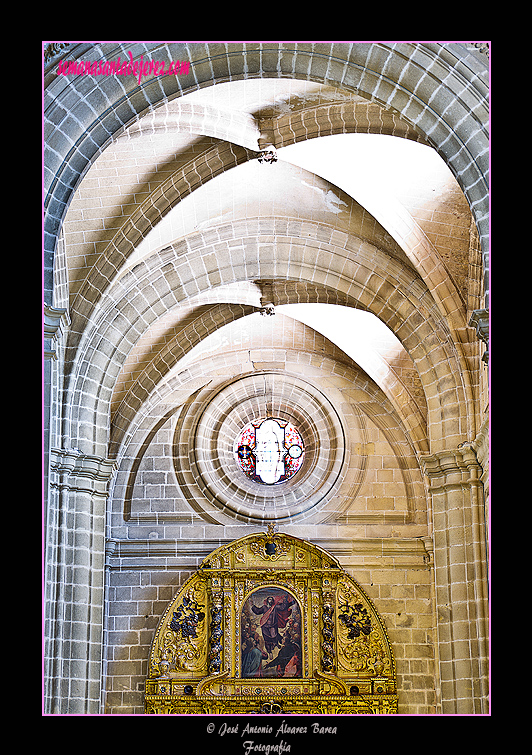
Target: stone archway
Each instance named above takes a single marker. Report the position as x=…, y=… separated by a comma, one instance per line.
x=438, y=92
x=171, y=277
x=438, y=88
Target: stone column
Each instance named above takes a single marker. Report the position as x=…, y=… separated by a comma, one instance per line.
x=56, y=322
x=461, y=584
x=74, y=589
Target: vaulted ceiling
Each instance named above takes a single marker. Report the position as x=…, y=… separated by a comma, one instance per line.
x=178, y=242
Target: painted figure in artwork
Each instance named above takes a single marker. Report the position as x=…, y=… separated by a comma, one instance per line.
x=274, y=616
x=271, y=634
x=252, y=657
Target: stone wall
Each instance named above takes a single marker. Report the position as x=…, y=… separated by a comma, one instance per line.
x=166, y=246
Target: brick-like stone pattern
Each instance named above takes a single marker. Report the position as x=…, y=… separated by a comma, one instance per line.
x=162, y=260
x=403, y=598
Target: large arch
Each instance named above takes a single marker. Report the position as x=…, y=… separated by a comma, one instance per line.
x=160, y=352
x=171, y=276
x=151, y=377
x=190, y=392
x=440, y=89
x=221, y=157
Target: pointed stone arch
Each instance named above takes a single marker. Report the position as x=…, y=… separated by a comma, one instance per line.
x=440, y=89
x=223, y=156
x=352, y=270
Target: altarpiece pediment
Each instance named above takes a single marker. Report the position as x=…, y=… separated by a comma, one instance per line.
x=271, y=623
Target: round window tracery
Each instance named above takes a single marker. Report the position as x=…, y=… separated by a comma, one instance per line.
x=269, y=451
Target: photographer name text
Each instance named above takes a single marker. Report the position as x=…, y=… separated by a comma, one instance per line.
x=250, y=746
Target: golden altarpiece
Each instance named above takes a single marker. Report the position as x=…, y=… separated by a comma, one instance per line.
x=271, y=624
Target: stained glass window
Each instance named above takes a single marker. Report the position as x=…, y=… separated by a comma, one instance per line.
x=269, y=451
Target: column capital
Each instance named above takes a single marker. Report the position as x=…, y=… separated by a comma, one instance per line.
x=86, y=471
x=458, y=459
x=451, y=467
x=480, y=320
x=56, y=320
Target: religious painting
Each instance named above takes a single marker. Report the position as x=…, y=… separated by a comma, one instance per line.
x=271, y=635
x=271, y=623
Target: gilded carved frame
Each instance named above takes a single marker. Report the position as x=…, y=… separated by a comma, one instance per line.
x=205, y=653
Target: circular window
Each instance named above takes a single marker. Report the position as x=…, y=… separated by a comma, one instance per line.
x=269, y=451
x=224, y=460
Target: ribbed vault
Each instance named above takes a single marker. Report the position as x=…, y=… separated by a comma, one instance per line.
x=168, y=278
x=202, y=290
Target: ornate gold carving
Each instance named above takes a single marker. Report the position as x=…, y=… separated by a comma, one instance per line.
x=216, y=633
x=270, y=547
x=317, y=641
x=183, y=644
x=363, y=644
x=207, y=685
x=327, y=644
x=334, y=685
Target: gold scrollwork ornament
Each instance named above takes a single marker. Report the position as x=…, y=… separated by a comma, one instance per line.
x=340, y=658
x=184, y=642
x=270, y=546
x=361, y=645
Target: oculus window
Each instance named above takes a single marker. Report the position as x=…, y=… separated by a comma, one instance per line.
x=269, y=451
